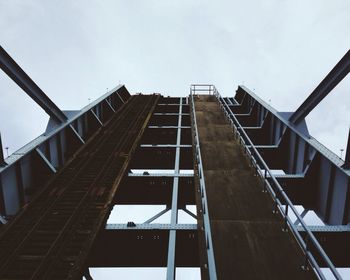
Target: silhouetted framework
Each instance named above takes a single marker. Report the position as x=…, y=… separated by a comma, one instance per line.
x=244, y=165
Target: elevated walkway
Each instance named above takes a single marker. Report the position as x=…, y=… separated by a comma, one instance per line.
x=247, y=237
x=51, y=237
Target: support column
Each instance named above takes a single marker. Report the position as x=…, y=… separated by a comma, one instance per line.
x=172, y=233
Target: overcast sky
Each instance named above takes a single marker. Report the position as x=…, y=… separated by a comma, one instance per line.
x=75, y=50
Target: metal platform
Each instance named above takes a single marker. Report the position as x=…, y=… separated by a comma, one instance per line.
x=248, y=240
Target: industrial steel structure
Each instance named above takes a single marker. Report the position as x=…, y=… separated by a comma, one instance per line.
x=218, y=153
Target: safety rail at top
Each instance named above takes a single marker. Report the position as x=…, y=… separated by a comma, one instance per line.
x=204, y=203
x=27, y=170
x=283, y=204
x=202, y=89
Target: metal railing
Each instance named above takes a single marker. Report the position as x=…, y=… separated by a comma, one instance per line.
x=202, y=89
x=270, y=184
x=206, y=221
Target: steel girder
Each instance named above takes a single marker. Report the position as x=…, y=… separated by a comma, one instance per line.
x=313, y=175
x=338, y=73
x=17, y=74
x=30, y=167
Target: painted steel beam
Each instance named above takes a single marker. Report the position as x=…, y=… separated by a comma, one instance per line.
x=17, y=74
x=160, y=175
x=347, y=155
x=50, y=151
x=46, y=161
x=148, y=226
x=165, y=146
x=171, y=269
x=335, y=242
x=155, y=217
x=155, y=190
x=2, y=160
x=144, y=247
x=324, y=172
x=337, y=74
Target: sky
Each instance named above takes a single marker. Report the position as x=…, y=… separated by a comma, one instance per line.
x=76, y=50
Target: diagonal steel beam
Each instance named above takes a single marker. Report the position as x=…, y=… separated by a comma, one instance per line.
x=157, y=215
x=338, y=73
x=189, y=213
x=2, y=160
x=17, y=74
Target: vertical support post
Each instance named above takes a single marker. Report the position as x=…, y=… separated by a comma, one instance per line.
x=172, y=233
x=2, y=203
x=2, y=160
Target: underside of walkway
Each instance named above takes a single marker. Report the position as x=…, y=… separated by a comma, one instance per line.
x=247, y=237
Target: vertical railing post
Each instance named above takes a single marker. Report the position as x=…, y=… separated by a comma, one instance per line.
x=305, y=266
x=285, y=228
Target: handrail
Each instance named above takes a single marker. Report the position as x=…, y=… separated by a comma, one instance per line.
x=210, y=89
x=265, y=174
x=206, y=221
x=254, y=158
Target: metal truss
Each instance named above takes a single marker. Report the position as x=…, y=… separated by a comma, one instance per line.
x=27, y=170
x=276, y=129
x=166, y=145
x=312, y=175
x=338, y=73
x=16, y=73
x=309, y=167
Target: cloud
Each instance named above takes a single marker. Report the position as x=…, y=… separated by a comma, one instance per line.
x=75, y=51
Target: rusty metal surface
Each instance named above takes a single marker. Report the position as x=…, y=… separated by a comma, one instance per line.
x=247, y=237
x=51, y=237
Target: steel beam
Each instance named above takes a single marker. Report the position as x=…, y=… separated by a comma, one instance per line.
x=160, y=175
x=155, y=217
x=172, y=234
x=87, y=274
x=46, y=161
x=2, y=160
x=50, y=151
x=17, y=74
x=146, y=247
x=148, y=226
x=96, y=117
x=110, y=105
x=347, y=155
x=189, y=213
x=164, y=146
x=337, y=74
x=168, y=126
